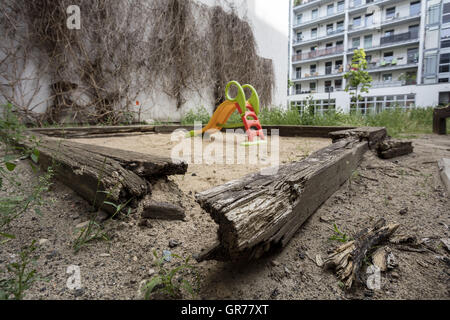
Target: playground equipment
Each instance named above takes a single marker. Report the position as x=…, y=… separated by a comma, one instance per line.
x=247, y=109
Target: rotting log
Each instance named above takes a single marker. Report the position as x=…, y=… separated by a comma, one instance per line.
x=348, y=259
x=262, y=212
x=100, y=173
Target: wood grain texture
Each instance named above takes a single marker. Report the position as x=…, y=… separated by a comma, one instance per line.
x=261, y=212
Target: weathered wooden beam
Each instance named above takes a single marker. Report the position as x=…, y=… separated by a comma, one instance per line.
x=391, y=148
x=91, y=171
x=260, y=212
x=373, y=135
x=78, y=132
x=439, y=120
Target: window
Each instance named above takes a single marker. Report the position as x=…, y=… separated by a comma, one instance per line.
x=357, y=3
x=413, y=55
x=312, y=86
x=298, y=88
x=330, y=9
x=314, y=48
x=328, y=86
x=443, y=80
x=389, y=33
x=339, y=43
x=368, y=41
x=338, y=84
x=446, y=13
x=444, y=68
x=369, y=59
x=329, y=45
x=430, y=65
x=312, y=69
x=340, y=6
x=369, y=19
x=299, y=36
x=414, y=8
x=340, y=26
x=299, y=18
x=445, y=44
x=355, y=43
x=329, y=28
x=444, y=58
x=328, y=67
x=314, y=33
x=338, y=65
x=445, y=33
x=414, y=30
x=387, y=77
x=433, y=14
x=390, y=13
x=388, y=56
x=314, y=14
x=298, y=73
x=356, y=22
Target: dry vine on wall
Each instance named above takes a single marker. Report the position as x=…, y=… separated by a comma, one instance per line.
x=123, y=49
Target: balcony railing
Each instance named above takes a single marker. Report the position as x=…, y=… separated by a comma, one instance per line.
x=356, y=4
x=401, y=37
x=330, y=14
x=302, y=2
x=335, y=32
x=318, y=53
x=328, y=72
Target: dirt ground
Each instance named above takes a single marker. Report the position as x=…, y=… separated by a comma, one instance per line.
x=407, y=190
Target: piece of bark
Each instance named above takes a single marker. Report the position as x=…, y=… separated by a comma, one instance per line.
x=162, y=210
x=391, y=148
x=348, y=258
x=262, y=212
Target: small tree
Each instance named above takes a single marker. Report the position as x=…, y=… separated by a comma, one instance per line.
x=358, y=79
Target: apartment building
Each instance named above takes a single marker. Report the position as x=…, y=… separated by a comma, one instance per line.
x=407, y=45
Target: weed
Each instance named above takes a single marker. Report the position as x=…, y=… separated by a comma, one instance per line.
x=339, y=235
x=93, y=231
x=23, y=276
x=164, y=281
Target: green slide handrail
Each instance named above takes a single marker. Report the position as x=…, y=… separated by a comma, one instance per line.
x=240, y=97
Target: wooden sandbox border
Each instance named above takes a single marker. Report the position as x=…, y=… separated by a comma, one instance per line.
x=256, y=214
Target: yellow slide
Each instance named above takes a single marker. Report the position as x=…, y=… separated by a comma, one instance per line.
x=219, y=118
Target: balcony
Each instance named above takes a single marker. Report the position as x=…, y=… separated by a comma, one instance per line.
x=322, y=19
x=318, y=53
x=329, y=73
x=303, y=4
x=391, y=21
x=389, y=65
x=401, y=37
x=392, y=83
x=329, y=35
x=360, y=5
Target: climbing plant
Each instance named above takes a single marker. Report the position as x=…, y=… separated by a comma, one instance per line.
x=122, y=50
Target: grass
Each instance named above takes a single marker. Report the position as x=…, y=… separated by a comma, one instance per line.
x=165, y=282
x=397, y=122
